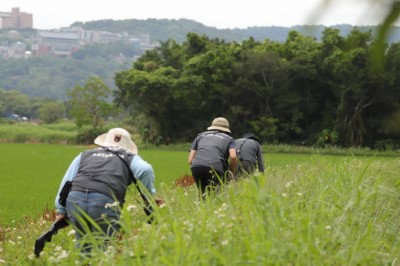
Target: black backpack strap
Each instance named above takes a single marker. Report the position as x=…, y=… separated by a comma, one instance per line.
x=148, y=208
x=241, y=145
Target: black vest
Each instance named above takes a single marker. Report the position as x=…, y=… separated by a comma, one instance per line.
x=103, y=172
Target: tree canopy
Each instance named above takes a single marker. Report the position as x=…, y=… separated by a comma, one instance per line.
x=88, y=105
x=300, y=91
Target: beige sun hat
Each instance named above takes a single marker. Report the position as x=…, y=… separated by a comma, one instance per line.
x=220, y=123
x=117, y=137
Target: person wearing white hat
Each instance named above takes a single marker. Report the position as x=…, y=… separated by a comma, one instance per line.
x=212, y=156
x=100, y=178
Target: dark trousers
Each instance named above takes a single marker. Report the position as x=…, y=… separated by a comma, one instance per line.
x=207, y=179
x=246, y=167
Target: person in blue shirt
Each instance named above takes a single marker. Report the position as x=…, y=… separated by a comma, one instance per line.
x=99, y=182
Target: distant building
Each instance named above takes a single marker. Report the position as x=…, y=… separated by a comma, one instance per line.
x=59, y=44
x=16, y=19
x=18, y=50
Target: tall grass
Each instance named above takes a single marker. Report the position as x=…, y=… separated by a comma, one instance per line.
x=319, y=212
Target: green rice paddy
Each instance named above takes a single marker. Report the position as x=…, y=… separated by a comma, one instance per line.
x=308, y=209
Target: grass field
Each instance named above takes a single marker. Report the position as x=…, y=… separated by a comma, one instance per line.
x=31, y=174
x=308, y=209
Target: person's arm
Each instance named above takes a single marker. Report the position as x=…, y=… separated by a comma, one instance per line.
x=260, y=160
x=192, y=154
x=233, y=161
x=69, y=175
x=144, y=172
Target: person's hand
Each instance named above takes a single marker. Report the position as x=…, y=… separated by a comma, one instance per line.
x=159, y=202
x=60, y=216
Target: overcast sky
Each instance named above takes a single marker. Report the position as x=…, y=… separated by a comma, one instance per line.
x=50, y=14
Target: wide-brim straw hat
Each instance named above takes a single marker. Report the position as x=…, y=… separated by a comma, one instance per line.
x=117, y=137
x=220, y=123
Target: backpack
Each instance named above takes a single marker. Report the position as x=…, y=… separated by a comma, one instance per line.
x=238, y=151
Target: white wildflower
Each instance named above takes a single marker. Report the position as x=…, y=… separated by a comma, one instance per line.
x=188, y=224
x=131, y=208
x=284, y=195
x=328, y=227
x=71, y=232
x=224, y=243
x=110, y=251
x=62, y=255
x=288, y=184
x=110, y=205
x=299, y=194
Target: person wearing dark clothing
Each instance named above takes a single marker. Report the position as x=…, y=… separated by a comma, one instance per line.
x=212, y=157
x=99, y=182
x=249, y=153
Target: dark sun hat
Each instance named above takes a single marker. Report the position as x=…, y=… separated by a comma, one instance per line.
x=251, y=136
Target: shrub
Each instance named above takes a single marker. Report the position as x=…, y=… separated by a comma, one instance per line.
x=87, y=136
x=21, y=138
x=326, y=138
x=387, y=145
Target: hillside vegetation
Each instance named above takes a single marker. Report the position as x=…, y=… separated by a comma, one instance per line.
x=51, y=77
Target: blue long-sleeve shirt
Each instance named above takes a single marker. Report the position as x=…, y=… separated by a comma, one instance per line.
x=141, y=170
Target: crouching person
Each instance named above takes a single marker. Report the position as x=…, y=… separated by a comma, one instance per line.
x=212, y=157
x=250, y=155
x=100, y=178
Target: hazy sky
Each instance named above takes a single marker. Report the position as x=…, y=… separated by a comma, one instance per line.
x=50, y=14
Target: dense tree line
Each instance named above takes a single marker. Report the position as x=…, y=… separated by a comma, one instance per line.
x=301, y=91
x=13, y=102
